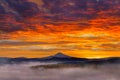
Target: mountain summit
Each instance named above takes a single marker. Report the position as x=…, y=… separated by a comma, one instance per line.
x=60, y=55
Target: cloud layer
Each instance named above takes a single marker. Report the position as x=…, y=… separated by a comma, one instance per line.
x=24, y=72
x=17, y=15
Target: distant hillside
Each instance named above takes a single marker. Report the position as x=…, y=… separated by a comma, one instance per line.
x=60, y=58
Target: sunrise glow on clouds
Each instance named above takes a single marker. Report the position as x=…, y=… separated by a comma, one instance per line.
x=88, y=29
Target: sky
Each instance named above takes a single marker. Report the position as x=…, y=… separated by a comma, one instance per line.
x=78, y=28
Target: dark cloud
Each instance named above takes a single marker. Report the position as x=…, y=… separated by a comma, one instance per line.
x=16, y=15
x=25, y=9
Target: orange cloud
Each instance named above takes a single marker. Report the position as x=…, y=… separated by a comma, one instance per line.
x=74, y=29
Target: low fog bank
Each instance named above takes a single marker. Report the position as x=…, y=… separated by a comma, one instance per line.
x=25, y=72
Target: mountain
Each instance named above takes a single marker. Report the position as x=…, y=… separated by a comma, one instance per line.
x=60, y=55
x=105, y=60
x=60, y=58
x=4, y=60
